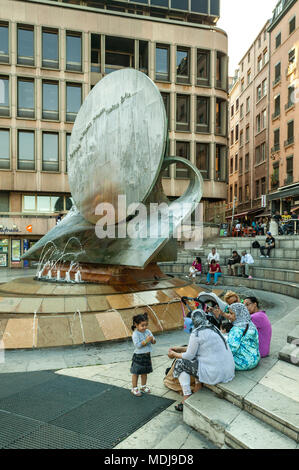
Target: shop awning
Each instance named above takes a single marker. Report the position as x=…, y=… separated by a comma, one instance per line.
x=237, y=215
x=284, y=193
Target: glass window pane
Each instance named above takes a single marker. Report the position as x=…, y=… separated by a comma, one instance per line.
x=50, y=49
x=182, y=65
x=203, y=67
x=200, y=6
x=73, y=101
x=26, y=150
x=215, y=7
x=183, y=112
x=179, y=4
x=73, y=52
x=25, y=98
x=162, y=63
x=4, y=149
x=69, y=203
x=4, y=57
x=202, y=159
x=57, y=203
x=50, y=100
x=25, y=46
x=202, y=115
x=160, y=3
x=29, y=203
x=43, y=204
x=4, y=96
x=183, y=151
x=50, y=152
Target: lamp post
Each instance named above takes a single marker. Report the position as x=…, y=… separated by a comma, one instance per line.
x=233, y=214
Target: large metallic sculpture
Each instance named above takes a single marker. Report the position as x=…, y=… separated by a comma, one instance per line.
x=117, y=152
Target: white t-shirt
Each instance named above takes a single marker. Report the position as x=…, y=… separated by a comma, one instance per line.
x=216, y=257
x=247, y=259
x=238, y=227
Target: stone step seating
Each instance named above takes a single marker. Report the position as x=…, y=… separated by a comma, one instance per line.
x=290, y=352
x=246, y=426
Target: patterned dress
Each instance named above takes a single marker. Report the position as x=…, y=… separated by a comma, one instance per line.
x=245, y=348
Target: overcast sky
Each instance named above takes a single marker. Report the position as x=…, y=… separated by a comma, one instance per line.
x=243, y=20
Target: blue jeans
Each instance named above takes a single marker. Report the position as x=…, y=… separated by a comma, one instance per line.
x=216, y=275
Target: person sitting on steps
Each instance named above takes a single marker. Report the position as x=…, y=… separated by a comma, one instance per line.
x=269, y=245
x=234, y=264
x=215, y=271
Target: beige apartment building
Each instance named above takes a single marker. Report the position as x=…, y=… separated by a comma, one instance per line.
x=284, y=107
x=53, y=52
x=248, y=132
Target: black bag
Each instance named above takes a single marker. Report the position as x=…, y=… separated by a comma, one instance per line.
x=256, y=244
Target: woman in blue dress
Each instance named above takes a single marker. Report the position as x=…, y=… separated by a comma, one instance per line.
x=243, y=338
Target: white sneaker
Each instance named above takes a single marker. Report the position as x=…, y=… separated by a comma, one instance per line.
x=262, y=256
x=267, y=256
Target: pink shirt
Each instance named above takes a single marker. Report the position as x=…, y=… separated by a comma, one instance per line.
x=197, y=266
x=264, y=328
x=214, y=267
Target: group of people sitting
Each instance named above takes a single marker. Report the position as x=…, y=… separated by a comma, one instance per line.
x=213, y=267
x=225, y=336
x=287, y=224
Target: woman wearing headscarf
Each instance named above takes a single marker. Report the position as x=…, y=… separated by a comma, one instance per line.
x=243, y=339
x=208, y=357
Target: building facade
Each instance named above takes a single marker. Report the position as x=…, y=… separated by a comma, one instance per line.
x=51, y=55
x=249, y=132
x=284, y=107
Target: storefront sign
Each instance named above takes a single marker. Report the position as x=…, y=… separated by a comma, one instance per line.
x=9, y=230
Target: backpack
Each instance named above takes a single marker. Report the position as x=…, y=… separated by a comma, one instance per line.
x=256, y=244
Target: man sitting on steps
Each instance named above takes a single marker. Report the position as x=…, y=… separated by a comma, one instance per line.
x=270, y=245
x=246, y=261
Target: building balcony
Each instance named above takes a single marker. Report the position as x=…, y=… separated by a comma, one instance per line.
x=276, y=148
x=289, y=142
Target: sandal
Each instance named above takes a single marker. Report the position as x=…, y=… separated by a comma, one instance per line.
x=179, y=407
x=145, y=389
x=136, y=392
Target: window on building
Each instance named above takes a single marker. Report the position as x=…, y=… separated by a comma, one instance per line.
x=263, y=152
x=166, y=101
x=237, y=133
x=143, y=56
x=242, y=111
x=231, y=170
x=260, y=41
x=221, y=113
x=240, y=194
x=25, y=45
x=230, y=194
x=247, y=134
x=67, y=145
x=258, y=123
x=278, y=40
x=73, y=51
x=232, y=110
x=183, y=113
x=236, y=162
x=182, y=65
x=50, y=100
x=202, y=114
x=276, y=140
x=220, y=163
x=265, y=56
x=4, y=149
x=276, y=106
x=203, y=68
x=290, y=169
x=4, y=207
x=26, y=150
x=290, y=132
x=221, y=74
x=264, y=87
x=248, y=104
x=236, y=190
x=50, y=48
x=248, y=57
x=119, y=53
x=277, y=73
x=241, y=166
x=292, y=56
x=95, y=53
x=183, y=151
x=263, y=186
x=242, y=85
x=162, y=63
x=237, y=104
x=4, y=43
x=241, y=138
x=249, y=77
x=257, y=189
x=259, y=63
x=291, y=96
x=275, y=176
x=4, y=95
x=73, y=100
x=247, y=193
x=292, y=25
x=202, y=159
x=26, y=99
x=232, y=137
x=50, y=160
x=264, y=119
x=247, y=162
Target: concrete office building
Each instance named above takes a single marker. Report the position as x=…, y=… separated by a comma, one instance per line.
x=284, y=107
x=53, y=52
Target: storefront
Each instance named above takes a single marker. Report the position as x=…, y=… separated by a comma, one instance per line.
x=285, y=199
x=18, y=235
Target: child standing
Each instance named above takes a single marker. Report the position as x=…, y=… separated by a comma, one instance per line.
x=141, y=361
